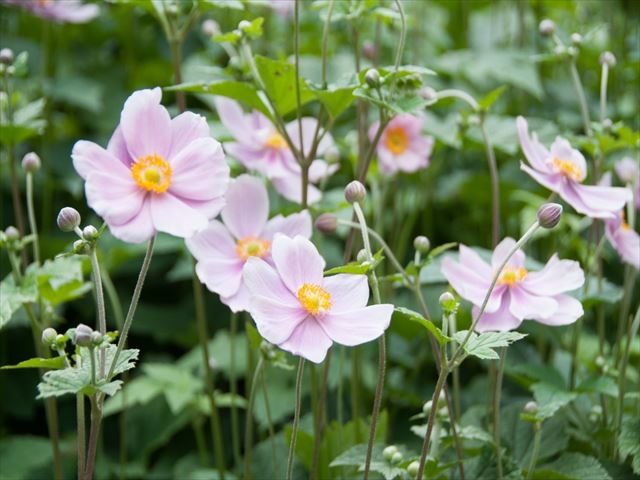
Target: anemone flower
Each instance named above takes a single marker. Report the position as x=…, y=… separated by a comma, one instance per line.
x=297, y=309
x=157, y=174
x=519, y=294
x=63, y=11
x=628, y=172
x=222, y=249
x=562, y=170
x=284, y=8
x=402, y=147
x=260, y=147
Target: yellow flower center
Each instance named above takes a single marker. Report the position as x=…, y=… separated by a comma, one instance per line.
x=396, y=140
x=315, y=299
x=511, y=275
x=275, y=140
x=252, y=247
x=152, y=172
x=568, y=168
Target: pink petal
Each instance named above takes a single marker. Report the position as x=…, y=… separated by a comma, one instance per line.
x=308, y=340
x=213, y=241
x=247, y=209
x=239, y=301
x=290, y=187
x=297, y=261
x=221, y=275
x=387, y=161
x=234, y=119
x=275, y=321
x=626, y=242
x=502, y=320
x=470, y=259
x=356, y=326
x=138, y=229
x=348, y=292
x=186, y=128
x=291, y=225
x=556, y=277
x=411, y=161
x=174, y=217
x=319, y=170
x=469, y=285
x=208, y=208
x=261, y=279
x=118, y=147
x=524, y=305
x=502, y=251
x=90, y=157
x=535, y=153
x=596, y=201
x=114, y=198
x=146, y=124
x=553, y=181
x=562, y=150
x=569, y=310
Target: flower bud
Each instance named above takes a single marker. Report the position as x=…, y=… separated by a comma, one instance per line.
x=576, y=39
x=549, y=215
x=389, y=452
x=244, y=25
x=421, y=244
x=31, y=162
x=560, y=50
x=81, y=247
x=68, y=219
x=608, y=58
x=396, y=458
x=448, y=303
x=426, y=408
x=83, y=335
x=428, y=94
x=627, y=170
x=12, y=233
x=332, y=155
x=327, y=223
x=372, y=77
x=607, y=123
x=600, y=361
x=362, y=256
x=96, y=338
x=572, y=51
x=531, y=407
x=49, y=335
x=412, y=468
x=89, y=233
x=547, y=27
x=6, y=56
x=210, y=28
x=369, y=49
x=355, y=192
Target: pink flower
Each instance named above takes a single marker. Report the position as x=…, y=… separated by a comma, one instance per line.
x=157, y=174
x=297, y=309
x=222, y=250
x=628, y=172
x=519, y=294
x=69, y=11
x=284, y=8
x=562, y=170
x=402, y=147
x=260, y=147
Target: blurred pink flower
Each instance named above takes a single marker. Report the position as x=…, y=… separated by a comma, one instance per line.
x=628, y=171
x=402, y=147
x=519, y=295
x=222, y=249
x=260, y=147
x=283, y=8
x=157, y=174
x=562, y=170
x=64, y=11
x=297, y=309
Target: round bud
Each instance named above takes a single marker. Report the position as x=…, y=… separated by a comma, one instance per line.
x=12, y=233
x=210, y=28
x=600, y=361
x=213, y=364
x=549, y=215
x=426, y=408
x=572, y=51
x=31, y=162
x=396, y=458
x=421, y=244
x=446, y=298
x=560, y=50
x=355, y=192
x=576, y=39
x=547, y=27
x=428, y=93
x=244, y=25
x=6, y=56
x=68, y=219
x=372, y=77
x=412, y=468
x=60, y=339
x=81, y=247
x=628, y=170
x=327, y=223
x=531, y=407
x=96, y=338
x=332, y=155
x=89, y=233
x=362, y=256
x=49, y=335
x=608, y=58
x=607, y=123
x=389, y=452
x=369, y=49
x=84, y=335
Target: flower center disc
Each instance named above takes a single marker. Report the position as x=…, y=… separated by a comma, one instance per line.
x=275, y=140
x=396, y=140
x=252, y=247
x=315, y=299
x=152, y=172
x=511, y=275
x=568, y=168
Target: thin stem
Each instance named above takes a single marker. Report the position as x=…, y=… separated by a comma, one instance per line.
x=81, y=433
x=495, y=183
x=32, y=219
x=201, y=443
x=235, y=424
x=296, y=419
x=176, y=55
x=497, y=393
x=582, y=100
x=248, y=430
x=325, y=42
x=537, y=428
x=102, y=315
x=96, y=419
x=603, y=91
x=267, y=408
x=403, y=33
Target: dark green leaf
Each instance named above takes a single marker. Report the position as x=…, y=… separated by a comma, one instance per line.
x=52, y=363
x=279, y=79
x=401, y=314
x=482, y=345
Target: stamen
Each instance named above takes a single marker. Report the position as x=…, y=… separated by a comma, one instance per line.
x=568, y=168
x=314, y=299
x=511, y=275
x=152, y=172
x=277, y=141
x=396, y=140
x=252, y=247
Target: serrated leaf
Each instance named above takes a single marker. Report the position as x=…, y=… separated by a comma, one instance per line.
x=599, y=384
x=12, y=296
x=356, y=455
x=550, y=398
x=357, y=268
x=488, y=100
x=336, y=99
x=60, y=279
x=401, y=314
x=52, y=363
x=573, y=466
x=280, y=83
x=482, y=345
x=629, y=441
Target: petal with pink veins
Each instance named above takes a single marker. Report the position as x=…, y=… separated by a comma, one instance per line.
x=552, y=181
x=357, y=326
x=535, y=152
x=297, y=261
x=600, y=202
x=117, y=147
x=290, y=187
x=139, y=229
x=239, y=301
x=185, y=128
x=291, y=225
x=247, y=209
x=502, y=251
x=469, y=285
x=90, y=157
x=308, y=340
x=502, y=320
x=146, y=124
x=114, y=198
x=262, y=279
x=470, y=259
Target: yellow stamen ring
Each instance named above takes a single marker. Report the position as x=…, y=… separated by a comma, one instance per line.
x=252, y=247
x=152, y=172
x=315, y=299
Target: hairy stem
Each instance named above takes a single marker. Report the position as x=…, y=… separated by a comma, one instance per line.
x=582, y=100
x=32, y=219
x=235, y=424
x=296, y=419
x=403, y=33
x=495, y=184
x=96, y=419
x=537, y=437
x=102, y=314
x=497, y=393
x=603, y=91
x=81, y=433
x=248, y=427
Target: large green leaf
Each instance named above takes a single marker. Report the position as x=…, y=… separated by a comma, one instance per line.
x=482, y=345
x=551, y=398
x=53, y=363
x=279, y=79
x=12, y=296
x=61, y=280
x=629, y=441
x=27, y=123
x=573, y=466
x=401, y=314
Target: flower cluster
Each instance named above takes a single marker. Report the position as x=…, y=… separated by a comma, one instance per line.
x=63, y=11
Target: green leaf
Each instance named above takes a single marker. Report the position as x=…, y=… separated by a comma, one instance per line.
x=357, y=268
x=180, y=386
x=629, y=441
x=401, y=314
x=482, y=345
x=254, y=30
x=573, y=466
x=27, y=123
x=488, y=100
x=22, y=454
x=599, y=384
x=550, y=398
x=52, y=363
x=231, y=4
x=60, y=279
x=356, y=455
x=139, y=391
x=12, y=296
x=220, y=350
x=336, y=99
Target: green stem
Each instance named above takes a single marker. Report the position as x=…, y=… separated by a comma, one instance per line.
x=582, y=100
x=495, y=183
x=267, y=408
x=248, y=428
x=403, y=33
x=102, y=315
x=296, y=419
x=320, y=415
x=537, y=428
x=325, y=42
x=96, y=419
x=603, y=91
x=81, y=433
x=32, y=219
x=497, y=393
x=235, y=424
x=201, y=443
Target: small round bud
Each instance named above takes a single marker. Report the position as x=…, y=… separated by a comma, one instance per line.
x=421, y=244
x=389, y=452
x=600, y=361
x=628, y=170
x=213, y=364
x=446, y=298
x=31, y=162
x=68, y=219
x=549, y=215
x=396, y=458
x=84, y=335
x=572, y=51
x=210, y=28
x=576, y=39
x=49, y=335
x=355, y=192
x=369, y=49
x=531, y=407
x=428, y=93
x=12, y=233
x=81, y=247
x=560, y=50
x=96, y=338
x=412, y=468
x=244, y=25
x=6, y=56
x=372, y=77
x=426, y=408
x=608, y=58
x=547, y=27
x=448, y=303
x=332, y=155
x=327, y=223
x=60, y=339
x=89, y=233
x=607, y=123
x=362, y=256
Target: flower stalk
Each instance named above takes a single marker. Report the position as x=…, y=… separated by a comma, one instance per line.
x=296, y=418
x=248, y=429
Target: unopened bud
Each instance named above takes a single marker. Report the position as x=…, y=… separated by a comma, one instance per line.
x=372, y=77
x=572, y=51
x=355, y=192
x=412, y=468
x=547, y=27
x=607, y=123
x=49, y=335
x=68, y=219
x=96, y=338
x=83, y=335
x=12, y=233
x=362, y=256
x=81, y=247
x=576, y=39
x=448, y=303
x=560, y=50
x=608, y=58
x=426, y=408
x=396, y=458
x=244, y=25
x=6, y=56
x=421, y=244
x=428, y=93
x=31, y=162
x=531, y=407
x=628, y=170
x=600, y=361
x=332, y=155
x=210, y=28
x=389, y=452
x=549, y=215
x=327, y=223
x=369, y=49
x=89, y=233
